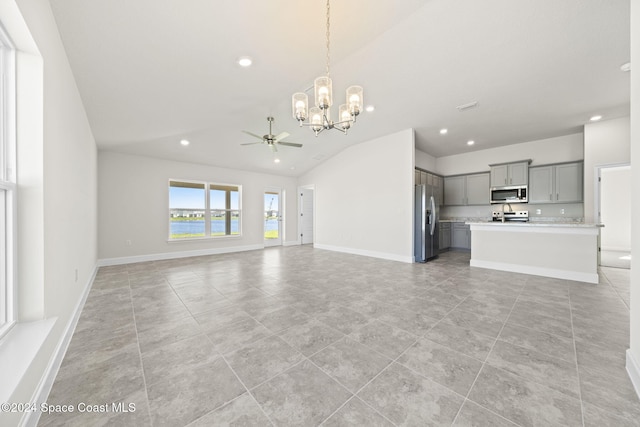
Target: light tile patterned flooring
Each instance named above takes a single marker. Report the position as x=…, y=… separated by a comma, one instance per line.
x=298, y=336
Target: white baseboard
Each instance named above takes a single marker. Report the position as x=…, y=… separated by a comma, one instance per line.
x=537, y=271
x=30, y=419
x=373, y=254
x=615, y=248
x=173, y=255
x=291, y=243
x=633, y=369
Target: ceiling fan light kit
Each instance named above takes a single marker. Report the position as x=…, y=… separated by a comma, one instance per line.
x=319, y=116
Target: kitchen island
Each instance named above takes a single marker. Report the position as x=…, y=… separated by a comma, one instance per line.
x=558, y=250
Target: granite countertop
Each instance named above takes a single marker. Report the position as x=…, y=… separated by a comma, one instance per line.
x=536, y=223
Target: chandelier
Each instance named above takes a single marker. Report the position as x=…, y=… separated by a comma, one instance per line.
x=319, y=116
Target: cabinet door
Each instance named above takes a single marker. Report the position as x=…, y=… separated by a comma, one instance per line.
x=454, y=190
x=518, y=173
x=541, y=185
x=478, y=189
x=568, y=183
x=460, y=236
x=499, y=175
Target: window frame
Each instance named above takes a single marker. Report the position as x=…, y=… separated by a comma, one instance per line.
x=208, y=210
x=8, y=185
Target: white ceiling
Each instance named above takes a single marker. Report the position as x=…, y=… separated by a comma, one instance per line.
x=152, y=72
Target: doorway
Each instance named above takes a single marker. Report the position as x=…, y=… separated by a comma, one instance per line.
x=305, y=204
x=614, y=211
x=273, y=217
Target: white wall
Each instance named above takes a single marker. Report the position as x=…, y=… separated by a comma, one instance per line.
x=364, y=198
x=605, y=143
x=57, y=181
x=544, y=151
x=615, y=208
x=133, y=200
x=425, y=161
x=633, y=356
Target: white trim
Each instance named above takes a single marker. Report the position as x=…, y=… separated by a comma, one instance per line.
x=173, y=255
x=291, y=243
x=536, y=271
x=18, y=349
x=311, y=187
x=633, y=369
x=373, y=254
x=30, y=419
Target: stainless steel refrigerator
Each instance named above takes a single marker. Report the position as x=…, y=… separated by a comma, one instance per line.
x=426, y=241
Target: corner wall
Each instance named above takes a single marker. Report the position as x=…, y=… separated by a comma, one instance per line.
x=57, y=181
x=133, y=200
x=633, y=355
x=364, y=198
x=605, y=143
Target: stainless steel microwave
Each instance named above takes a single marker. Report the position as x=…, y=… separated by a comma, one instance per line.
x=512, y=194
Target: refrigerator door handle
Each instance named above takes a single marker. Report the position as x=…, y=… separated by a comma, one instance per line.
x=432, y=219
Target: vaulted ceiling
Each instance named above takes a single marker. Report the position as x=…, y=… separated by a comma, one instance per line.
x=153, y=72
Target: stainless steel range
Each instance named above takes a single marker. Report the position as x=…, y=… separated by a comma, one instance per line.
x=521, y=216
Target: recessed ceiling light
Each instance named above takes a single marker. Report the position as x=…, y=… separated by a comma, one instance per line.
x=276, y=160
x=369, y=108
x=245, y=61
x=470, y=142
x=443, y=131
x=595, y=118
x=184, y=142
x=626, y=67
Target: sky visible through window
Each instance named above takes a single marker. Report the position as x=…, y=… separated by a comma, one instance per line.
x=193, y=198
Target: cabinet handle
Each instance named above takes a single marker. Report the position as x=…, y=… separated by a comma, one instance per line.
x=557, y=196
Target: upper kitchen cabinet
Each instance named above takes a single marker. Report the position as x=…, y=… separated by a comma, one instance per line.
x=561, y=183
x=516, y=173
x=466, y=189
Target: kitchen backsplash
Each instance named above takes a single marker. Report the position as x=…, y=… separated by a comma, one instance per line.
x=536, y=211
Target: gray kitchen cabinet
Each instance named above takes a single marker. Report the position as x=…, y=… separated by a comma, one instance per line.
x=466, y=190
x=561, y=183
x=510, y=174
x=454, y=190
x=445, y=236
x=460, y=235
x=478, y=189
x=568, y=182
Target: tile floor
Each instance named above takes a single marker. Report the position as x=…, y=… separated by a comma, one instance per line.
x=297, y=336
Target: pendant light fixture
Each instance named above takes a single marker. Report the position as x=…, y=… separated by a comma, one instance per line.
x=319, y=116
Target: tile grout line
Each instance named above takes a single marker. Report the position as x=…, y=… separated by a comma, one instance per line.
x=575, y=350
x=135, y=327
x=487, y=358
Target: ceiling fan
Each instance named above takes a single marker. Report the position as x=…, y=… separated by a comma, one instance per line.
x=270, y=139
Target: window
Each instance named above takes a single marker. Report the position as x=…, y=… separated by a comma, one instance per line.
x=198, y=209
x=7, y=184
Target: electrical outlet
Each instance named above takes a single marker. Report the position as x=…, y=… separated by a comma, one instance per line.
x=128, y=242
x=538, y=211
x=561, y=211
x=76, y=274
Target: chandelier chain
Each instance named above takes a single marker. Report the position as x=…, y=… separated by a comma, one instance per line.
x=328, y=37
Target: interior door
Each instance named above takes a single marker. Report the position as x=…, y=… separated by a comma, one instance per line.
x=272, y=218
x=306, y=216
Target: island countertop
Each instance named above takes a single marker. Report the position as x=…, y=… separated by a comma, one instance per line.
x=570, y=224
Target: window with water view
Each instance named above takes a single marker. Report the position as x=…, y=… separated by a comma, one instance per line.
x=198, y=209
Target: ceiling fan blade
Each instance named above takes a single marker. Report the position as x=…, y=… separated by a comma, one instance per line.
x=281, y=135
x=273, y=148
x=252, y=134
x=290, y=144
x=251, y=143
